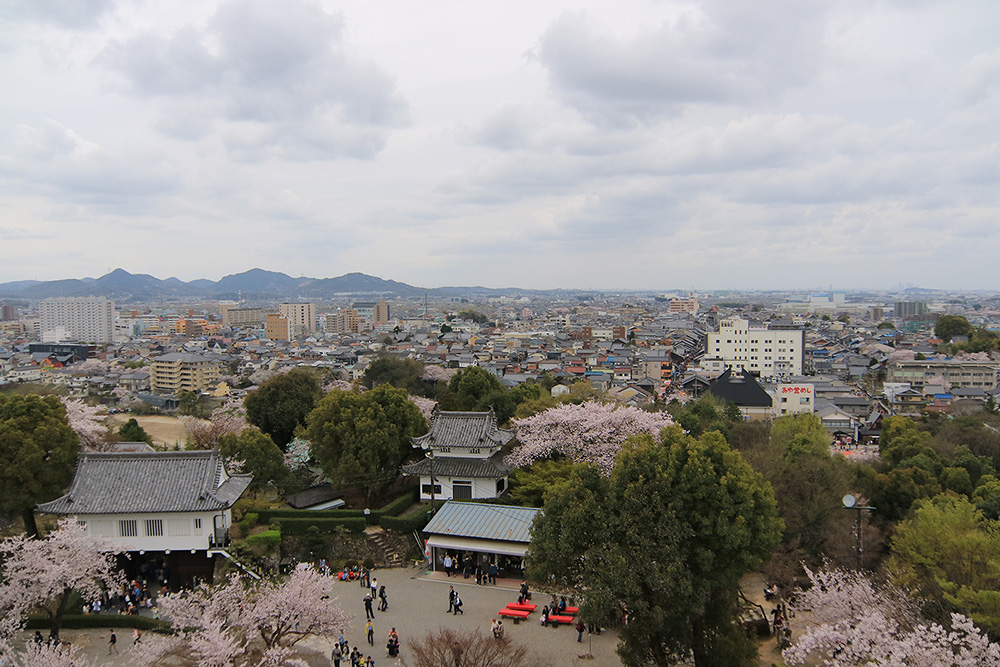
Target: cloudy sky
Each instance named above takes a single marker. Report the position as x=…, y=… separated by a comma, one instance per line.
x=584, y=144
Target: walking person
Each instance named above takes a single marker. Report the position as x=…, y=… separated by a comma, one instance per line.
x=374, y=587
x=458, y=606
x=368, y=606
x=451, y=599
x=370, y=629
x=493, y=573
x=336, y=655
x=579, y=630
x=383, y=600
x=113, y=644
x=447, y=564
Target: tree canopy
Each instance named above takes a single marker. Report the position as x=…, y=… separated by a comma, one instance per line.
x=281, y=404
x=255, y=453
x=38, y=450
x=362, y=439
x=664, y=539
x=949, y=326
x=130, y=431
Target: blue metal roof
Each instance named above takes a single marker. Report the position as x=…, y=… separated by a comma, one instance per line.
x=480, y=520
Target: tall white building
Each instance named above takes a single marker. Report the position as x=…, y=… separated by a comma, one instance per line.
x=301, y=316
x=77, y=320
x=773, y=353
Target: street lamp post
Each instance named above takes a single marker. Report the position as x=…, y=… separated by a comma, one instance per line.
x=851, y=503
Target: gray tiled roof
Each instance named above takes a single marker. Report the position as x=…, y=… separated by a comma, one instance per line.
x=464, y=429
x=491, y=522
x=149, y=482
x=457, y=466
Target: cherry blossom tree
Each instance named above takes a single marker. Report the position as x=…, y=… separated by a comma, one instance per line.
x=239, y=625
x=90, y=367
x=230, y=418
x=591, y=432
x=85, y=421
x=436, y=373
x=341, y=385
x=425, y=405
x=41, y=573
x=124, y=396
x=860, y=623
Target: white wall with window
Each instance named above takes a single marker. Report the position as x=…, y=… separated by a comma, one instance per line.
x=181, y=531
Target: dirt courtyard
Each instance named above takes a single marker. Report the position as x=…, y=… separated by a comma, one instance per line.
x=165, y=431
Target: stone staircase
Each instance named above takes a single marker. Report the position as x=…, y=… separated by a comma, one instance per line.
x=391, y=558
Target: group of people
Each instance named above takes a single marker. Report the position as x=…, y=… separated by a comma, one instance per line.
x=454, y=602
x=485, y=575
x=342, y=651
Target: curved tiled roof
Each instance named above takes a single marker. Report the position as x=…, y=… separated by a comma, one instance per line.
x=111, y=483
x=464, y=429
x=460, y=466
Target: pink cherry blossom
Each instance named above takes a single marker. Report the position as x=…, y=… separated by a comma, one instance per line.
x=591, y=432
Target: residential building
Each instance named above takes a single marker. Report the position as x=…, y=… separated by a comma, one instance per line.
x=954, y=373
x=180, y=371
x=7, y=313
x=241, y=318
x=301, y=317
x=910, y=308
x=377, y=312
x=688, y=305
x=277, y=327
x=740, y=344
x=77, y=320
x=464, y=459
x=345, y=320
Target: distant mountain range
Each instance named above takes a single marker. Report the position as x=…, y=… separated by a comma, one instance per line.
x=123, y=286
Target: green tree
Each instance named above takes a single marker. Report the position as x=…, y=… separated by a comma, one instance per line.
x=665, y=538
x=258, y=455
x=896, y=491
x=37, y=452
x=949, y=555
x=362, y=439
x=886, y=324
x=281, y=404
x=949, y=326
x=528, y=485
x=402, y=373
x=469, y=387
x=189, y=403
x=130, y=431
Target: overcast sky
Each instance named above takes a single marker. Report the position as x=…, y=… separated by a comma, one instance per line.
x=583, y=144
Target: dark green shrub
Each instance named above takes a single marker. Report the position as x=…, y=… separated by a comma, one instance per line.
x=248, y=521
x=269, y=538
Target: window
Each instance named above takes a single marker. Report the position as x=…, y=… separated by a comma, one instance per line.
x=128, y=528
x=197, y=526
x=154, y=527
x=474, y=450
x=804, y=400
x=426, y=489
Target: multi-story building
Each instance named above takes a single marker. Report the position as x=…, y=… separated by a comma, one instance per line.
x=345, y=320
x=179, y=371
x=241, y=317
x=301, y=316
x=7, y=313
x=377, y=312
x=910, y=308
x=740, y=344
x=950, y=373
x=277, y=327
x=77, y=320
x=688, y=305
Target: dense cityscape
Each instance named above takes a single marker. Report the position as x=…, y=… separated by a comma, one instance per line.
x=442, y=411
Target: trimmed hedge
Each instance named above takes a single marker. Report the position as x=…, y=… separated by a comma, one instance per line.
x=299, y=526
x=392, y=509
x=80, y=621
x=404, y=524
x=269, y=538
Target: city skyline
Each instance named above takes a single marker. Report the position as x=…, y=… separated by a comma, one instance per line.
x=645, y=145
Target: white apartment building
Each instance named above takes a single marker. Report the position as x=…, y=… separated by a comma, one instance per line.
x=301, y=317
x=739, y=344
x=77, y=320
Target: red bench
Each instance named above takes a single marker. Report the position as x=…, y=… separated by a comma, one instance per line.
x=516, y=614
x=571, y=611
x=556, y=619
x=522, y=606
